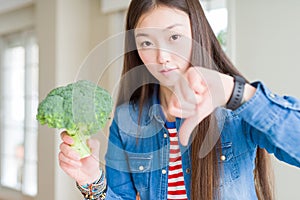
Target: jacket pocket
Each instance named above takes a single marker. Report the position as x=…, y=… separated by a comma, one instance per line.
x=227, y=163
x=140, y=168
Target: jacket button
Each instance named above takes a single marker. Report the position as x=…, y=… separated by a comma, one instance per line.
x=188, y=170
x=272, y=95
x=163, y=171
x=165, y=135
x=141, y=168
x=223, y=157
x=286, y=104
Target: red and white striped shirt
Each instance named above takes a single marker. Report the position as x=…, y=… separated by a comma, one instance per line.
x=176, y=187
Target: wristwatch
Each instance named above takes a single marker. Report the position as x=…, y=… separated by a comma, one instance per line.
x=236, y=97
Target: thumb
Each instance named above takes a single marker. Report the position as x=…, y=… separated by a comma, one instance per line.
x=202, y=111
x=187, y=128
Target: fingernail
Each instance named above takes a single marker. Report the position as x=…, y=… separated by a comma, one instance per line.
x=70, y=140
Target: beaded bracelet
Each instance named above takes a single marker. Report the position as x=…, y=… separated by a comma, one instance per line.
x=96, y=190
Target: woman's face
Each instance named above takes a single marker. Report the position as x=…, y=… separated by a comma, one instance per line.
x=163, y=39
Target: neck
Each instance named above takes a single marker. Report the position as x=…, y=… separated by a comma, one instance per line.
x=164, y=97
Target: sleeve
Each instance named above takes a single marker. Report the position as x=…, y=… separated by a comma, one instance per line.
x=119, y=181
x=274, y=123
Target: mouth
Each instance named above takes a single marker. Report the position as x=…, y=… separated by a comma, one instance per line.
x=167, y=70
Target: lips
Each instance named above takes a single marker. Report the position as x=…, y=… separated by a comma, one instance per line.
x=167, y=69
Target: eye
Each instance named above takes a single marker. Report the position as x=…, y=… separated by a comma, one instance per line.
x=175, y=37
x=145, y=44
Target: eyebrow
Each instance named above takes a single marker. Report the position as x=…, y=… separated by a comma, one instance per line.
x=172, y=26
x=165, y=29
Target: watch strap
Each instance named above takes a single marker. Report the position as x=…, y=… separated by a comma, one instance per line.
x=236, y=97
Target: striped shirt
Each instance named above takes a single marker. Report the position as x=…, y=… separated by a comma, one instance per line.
x=176, y=187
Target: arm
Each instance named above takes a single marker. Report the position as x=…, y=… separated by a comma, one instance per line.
x=85, y=171
x=274, y=123
x=275, y=118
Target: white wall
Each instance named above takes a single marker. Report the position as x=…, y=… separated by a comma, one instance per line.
x=72, y=45
x=67, y=34
x=266, y=48
x=66, y=31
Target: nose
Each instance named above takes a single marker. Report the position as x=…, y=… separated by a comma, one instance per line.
x=163, y=56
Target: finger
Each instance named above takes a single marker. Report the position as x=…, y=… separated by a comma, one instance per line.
x=189, y=88
x=69, y=169
x=182, y=105
x=189, y=95
x=94, y=146
x=196, y=81
x=198, y=88
x=69, y=152
x=66, y=160
x=194, y=76
x=183, y=100
x=184, y=93
x=181, y=113
x=175, y=108
x=62, y=134
x=202, y=111
x=66, y=138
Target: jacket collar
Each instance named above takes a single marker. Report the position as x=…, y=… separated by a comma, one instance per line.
x=155, y=108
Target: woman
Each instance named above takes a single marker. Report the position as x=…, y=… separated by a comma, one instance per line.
x=165, y=95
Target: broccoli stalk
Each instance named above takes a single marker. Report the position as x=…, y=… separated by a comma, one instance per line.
x=81, y=108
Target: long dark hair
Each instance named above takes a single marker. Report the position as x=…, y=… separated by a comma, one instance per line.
x=206, y=52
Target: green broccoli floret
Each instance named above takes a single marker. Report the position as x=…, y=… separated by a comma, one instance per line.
x=82, y=108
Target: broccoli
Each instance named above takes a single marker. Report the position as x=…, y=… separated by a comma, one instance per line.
x=82, y=108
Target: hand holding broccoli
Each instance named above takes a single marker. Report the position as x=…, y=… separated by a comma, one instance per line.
x=82, y=108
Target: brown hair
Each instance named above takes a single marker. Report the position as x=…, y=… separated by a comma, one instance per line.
x=208, y=53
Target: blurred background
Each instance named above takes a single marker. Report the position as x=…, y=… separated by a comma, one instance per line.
x=49, y=43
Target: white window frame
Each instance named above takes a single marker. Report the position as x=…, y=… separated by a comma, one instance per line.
x=23, y=39
x=220, y=6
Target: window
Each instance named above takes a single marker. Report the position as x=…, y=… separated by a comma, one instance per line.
x=18, y=103
x=217, y=16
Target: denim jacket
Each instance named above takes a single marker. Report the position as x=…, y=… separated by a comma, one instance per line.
x=137, y=156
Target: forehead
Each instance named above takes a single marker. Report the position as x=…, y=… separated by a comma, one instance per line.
x=161, y=17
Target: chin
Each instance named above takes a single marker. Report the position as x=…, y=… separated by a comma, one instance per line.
x=168, y=83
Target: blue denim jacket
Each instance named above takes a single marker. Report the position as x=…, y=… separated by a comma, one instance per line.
x=137, y=156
